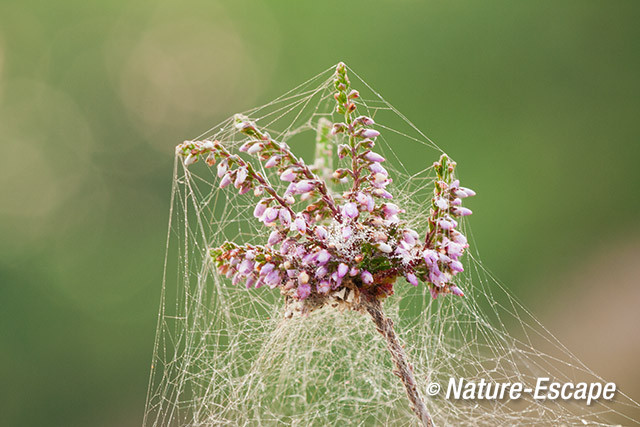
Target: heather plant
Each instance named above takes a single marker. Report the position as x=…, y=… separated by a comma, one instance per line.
x=345, y=250
x=279, y=274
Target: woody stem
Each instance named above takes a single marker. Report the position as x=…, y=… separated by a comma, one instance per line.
x=403, y=368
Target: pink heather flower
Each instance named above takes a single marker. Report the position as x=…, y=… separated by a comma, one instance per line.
x=460, y=211
x=456, y=290
x=346, y=233
x=251, y=280
x=468, y=191
x=343, y=269
x=456, y=202
x=321, y=271
x=378, y=168
x=273, y=279
x=300, y=225
x=226, y=180
x=367, y=278
x=369, y=133
x=389, y=210
x=274, y=238
x=323, y=287
x=190, y=159
x=374, y=157
x=323, y=257
x=350, y=210
x=273, y=160
x=366, y=121
x=411, y=278
x=382, y=193
x=459, y=238
x=303, y=291
x=305, y=186
x=444, y=224
x=288, y=175
x=270, y=215
x=354, y=271
x=455, y=250
x=245, y=267
x=223, y=166
x=456, y=266
x=259, y=210
x=320, y=232
x=303, y=277
x=241, y=175
x=430, y=257
x=255, y=148
x=244, y=147
x=441, y=203
x=383, y=247
x=285, y=217
x=266, y=269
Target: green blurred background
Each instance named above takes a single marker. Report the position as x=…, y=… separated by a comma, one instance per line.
x=538, y=102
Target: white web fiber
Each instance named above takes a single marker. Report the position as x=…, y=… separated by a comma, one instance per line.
x=225, y=355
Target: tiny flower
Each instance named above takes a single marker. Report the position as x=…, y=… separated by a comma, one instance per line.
x=190, y=159
x=369, y=133
x=468, y=191
x=346, y=233
x=270, y=215
x=321, y=271
x=241, y=175
x=354, y=271
x=273, y=160
x=383, y=247
x=389, y=210
x=411, y=278
x=456, y=266
x=255, y=148
x=323, y=287
x=303, y=291
x=343, y=269
x=350, y=210
x=320, y=232
x=223, y=166
x=274, y=238
x=259, y=210
x=303, y=278
x=374, y=157
x=441, y=203
x=305, y=186
x=444, y=224
x=288, y=175
x=378, y=168
x=226, y=180
x=461, y=211
x=367, y=278
x=323, y=257
x=366, y=121
x=456, y=290
x=300, y=225
x=285, y=217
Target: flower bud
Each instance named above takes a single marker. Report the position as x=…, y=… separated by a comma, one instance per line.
x=374, y=157
x=411, y=278
x=303, y=291
x=350, y=210
x=288, y=175
x=367, y=278
x=461, y=211
x=255, y=148
x=343, y=269
x=226, y=180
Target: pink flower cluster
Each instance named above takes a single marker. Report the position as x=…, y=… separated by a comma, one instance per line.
x=354, y=240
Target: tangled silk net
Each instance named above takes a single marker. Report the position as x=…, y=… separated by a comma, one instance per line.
x=226, y=355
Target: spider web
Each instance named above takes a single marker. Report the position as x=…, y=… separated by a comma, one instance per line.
x=225, y=355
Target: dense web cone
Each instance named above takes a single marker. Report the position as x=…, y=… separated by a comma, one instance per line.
x=227, y=355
